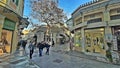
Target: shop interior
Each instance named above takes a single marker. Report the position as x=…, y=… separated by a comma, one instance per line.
x=5, y=41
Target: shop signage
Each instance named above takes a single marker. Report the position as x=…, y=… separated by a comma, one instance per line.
x=8, y=24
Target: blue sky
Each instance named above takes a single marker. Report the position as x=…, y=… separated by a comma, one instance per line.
x=68, y=6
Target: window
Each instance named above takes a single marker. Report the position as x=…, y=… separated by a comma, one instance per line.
x=114, y=17
x=118, y=10
x=94, y=20
x=92, y=16
x=15, y=1
x=78, y=21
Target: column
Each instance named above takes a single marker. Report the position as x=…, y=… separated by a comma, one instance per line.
x=83, y=39
x=108, y=30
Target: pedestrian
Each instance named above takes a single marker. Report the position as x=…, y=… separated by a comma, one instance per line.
x=35, y=39
x=31, y=48
x=40, y=46
x=21, y=43
x=18, y=45
x=24, y=44
x=71, y=45
x=47, y=47
x=53, y=43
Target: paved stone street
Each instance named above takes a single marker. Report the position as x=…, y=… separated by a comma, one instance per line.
x=16, y=60
x=61, y=59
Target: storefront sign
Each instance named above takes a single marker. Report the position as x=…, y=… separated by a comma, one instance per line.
x=8, y=24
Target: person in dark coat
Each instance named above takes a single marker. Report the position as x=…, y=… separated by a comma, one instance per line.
x=35, y=38
x=40, y=46
x=24, y=44
x=47, y=48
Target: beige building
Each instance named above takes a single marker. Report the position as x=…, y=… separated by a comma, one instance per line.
x=96, y=23
x=11, y=23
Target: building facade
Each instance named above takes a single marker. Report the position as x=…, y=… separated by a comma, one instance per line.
x=11, y=12
x=95, y=24
x=69, y=23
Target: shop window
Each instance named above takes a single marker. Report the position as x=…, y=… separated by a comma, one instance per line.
x=78, y=39
x=94, y=41
x=88, y=40
x=5, y=41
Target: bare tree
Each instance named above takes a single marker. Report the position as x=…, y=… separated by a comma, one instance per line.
x=47, y=11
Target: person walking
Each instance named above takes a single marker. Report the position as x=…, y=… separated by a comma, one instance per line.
x=24, y=44
x=47, y=45
x=35, y=39
x=71, y=45
x=31, y=48
x=53, y=43
x=40, y=47
x=18, y=45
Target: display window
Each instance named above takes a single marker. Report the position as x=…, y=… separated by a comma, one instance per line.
x=94, y=40
x=5, y=41
x=78, y=38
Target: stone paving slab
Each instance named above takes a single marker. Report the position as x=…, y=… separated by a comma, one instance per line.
x=16, y=60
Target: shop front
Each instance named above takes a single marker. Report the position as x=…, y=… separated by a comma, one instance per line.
x=94, y=41
x=7, y=36
x=78, y=39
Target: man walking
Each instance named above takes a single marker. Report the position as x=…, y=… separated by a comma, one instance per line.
x=31, y=48
x=40, y=46
x=47, y=48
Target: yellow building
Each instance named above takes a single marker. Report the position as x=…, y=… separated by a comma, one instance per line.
x=96, y=23
x=11, y=20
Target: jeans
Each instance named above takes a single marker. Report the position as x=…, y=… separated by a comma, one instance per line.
x=40, y=52
x=47, y=50
x=31, y=52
